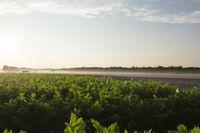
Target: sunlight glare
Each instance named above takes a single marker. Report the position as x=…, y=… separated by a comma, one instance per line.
x=8, y=45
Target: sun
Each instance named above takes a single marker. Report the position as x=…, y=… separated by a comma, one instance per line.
x=8, y=45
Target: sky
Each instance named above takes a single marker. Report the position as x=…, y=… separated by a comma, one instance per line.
x=101, y=33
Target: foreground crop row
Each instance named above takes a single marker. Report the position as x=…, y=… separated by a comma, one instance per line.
x=41, y=103
x=78, y=125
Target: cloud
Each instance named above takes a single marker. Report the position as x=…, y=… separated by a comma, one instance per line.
x=13, y=7
x=96, y=8
x=86, y=8
x=155, y=15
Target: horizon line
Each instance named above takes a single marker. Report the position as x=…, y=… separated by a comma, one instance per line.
x=103, y=67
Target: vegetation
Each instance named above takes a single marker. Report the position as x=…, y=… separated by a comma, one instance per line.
x=77, y=125
x=42, y=103
x=124, y=69
x=143, y=69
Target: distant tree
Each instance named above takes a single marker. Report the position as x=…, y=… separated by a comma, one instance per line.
x=160, y=67
x=5, y=68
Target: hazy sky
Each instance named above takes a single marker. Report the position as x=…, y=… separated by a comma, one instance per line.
x=74, y=33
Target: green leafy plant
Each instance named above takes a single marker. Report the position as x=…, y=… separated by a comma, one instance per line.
x=113, y=128
x=76, y=125
x=183, y=129
x=10, y=131
x=7, y=131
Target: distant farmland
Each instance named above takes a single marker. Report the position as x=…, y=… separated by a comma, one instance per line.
x=180, y=79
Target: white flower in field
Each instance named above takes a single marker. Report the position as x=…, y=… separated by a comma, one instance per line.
x=125, y=82
x=177, y=90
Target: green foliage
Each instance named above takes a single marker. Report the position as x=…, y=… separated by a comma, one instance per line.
x=195, y=130
x=7, y=131
x=10, y=131
x=76, y=125
x=97, y=126
x=22, y=131
x=183, y=129
x=39, y=103
x=113, y=128
x=150, y=131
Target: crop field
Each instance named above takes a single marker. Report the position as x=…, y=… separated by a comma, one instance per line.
x=182, y=80
x=43, y=103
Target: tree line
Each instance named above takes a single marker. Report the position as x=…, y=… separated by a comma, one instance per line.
x=133, y=68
